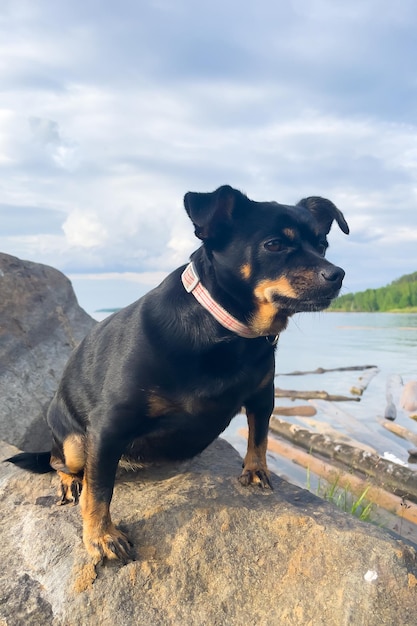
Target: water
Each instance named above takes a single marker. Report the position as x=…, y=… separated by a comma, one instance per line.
x=335, y=340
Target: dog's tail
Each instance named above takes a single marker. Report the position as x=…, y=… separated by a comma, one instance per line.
x=35, y=462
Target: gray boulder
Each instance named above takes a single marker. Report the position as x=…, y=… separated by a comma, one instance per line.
x=40, y=324
x=209, y=551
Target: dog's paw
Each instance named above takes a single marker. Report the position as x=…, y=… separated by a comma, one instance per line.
x=69, y=489
x=257, y=476
x=112, y=544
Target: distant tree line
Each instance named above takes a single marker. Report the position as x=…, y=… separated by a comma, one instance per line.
x=400, y=294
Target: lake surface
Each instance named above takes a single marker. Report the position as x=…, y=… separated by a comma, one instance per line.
x=335, y=340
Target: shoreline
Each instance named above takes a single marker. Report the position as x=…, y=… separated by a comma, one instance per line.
x=408, y=311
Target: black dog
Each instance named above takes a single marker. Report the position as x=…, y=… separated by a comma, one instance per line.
x=162, y=378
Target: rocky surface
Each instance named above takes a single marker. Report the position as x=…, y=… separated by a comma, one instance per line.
x=209, y=551
x=40, y=324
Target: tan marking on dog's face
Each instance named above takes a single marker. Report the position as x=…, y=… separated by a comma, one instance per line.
x=290, y=233
x=246, y=271
x=307, y=277
x=267, y=320
x=266, y=289
x=74, y=453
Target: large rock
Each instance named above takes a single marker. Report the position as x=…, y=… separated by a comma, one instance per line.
x=209, y=551
x=40, y=324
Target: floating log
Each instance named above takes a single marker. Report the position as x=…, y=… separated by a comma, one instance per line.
x=350, y=424
x=395, y=478
x=358, y=429
x=357, y=485
x=322, y=370
x=364, y=381
x=393, y=386
x=309, y=395
x=304, y=411
x=390, y=412
x=325, y=429
x=400, y=431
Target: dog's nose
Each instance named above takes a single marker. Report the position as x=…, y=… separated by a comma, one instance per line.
x=333, y=274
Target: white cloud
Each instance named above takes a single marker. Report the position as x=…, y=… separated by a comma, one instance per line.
x=84, y=230
x=109, y=116
x=143, y=278
x=47, y=134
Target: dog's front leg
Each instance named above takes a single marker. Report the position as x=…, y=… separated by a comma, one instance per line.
x=101, y=538
x=258, y=411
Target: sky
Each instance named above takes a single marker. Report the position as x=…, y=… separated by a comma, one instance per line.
x=110, y=112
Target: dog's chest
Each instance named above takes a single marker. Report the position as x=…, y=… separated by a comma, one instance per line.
x=215, y=381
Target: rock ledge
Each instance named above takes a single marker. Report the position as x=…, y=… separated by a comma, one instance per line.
x=208, y=550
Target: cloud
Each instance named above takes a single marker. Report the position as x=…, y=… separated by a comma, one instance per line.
x=47, y=134
x=111, y=113
x=83, y=230
x=143, y=278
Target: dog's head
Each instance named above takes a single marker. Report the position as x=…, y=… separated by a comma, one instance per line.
x=270, y=256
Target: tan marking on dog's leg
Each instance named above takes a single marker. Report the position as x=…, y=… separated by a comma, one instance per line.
x=255, y=469
x=69, y=488
x=74, y=453
x=101, y=538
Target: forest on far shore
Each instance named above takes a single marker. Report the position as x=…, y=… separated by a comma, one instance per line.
x=400, y=295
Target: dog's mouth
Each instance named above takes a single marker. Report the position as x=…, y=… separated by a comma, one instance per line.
x=306, y=302
x=318, y=304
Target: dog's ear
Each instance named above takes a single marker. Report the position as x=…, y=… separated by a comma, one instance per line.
x=211, y=212
x=324, y=212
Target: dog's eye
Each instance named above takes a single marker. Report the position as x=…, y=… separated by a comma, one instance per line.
x=321, y=248
x=275, y=245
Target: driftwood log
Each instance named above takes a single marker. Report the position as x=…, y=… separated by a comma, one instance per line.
x=322, y=370
x=304, y=410
x=355, y=484
x=326, y=429
x=364, y=381
x=310, y=395
x=358, y=429
x=393, y=389
x=395, y=478
x=400, y=431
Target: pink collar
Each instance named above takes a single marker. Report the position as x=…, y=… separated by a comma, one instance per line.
x=191, y=281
